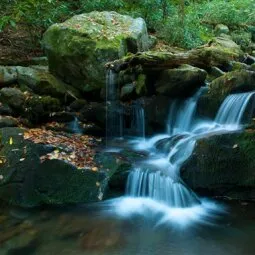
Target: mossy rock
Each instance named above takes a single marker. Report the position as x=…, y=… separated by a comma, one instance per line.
x=41, y=82
x=38, y=109
x=223, y=165
x=181, y=81
x=79, y=48
x=27, y=182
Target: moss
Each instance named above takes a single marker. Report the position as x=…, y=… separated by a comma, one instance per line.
x=38, y=109
x=141, y=85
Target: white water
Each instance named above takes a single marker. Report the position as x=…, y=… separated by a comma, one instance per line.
x=158, y=178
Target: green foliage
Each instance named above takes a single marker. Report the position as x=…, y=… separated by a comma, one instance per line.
x=185, y=23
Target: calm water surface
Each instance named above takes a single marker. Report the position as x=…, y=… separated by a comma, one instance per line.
x=97, y=230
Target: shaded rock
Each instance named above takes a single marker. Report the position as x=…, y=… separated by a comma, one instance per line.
x=12, y=97
x=77, y=105
x=181, y=81
x=79, y=48
x=8, y=122
x=94, y=112
x=62, y=117
x=216, y=72
x=156, y=111
x=29, y=183
x=221, y=29
x=38, y=109
x=8, y=75
x=5, y=109
x=223, y=165
x=127, y=91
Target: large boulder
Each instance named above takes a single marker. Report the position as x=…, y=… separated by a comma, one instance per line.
x=223, y=165
x=220, y=88
x=79, y=48
x=181, y=81
x=26, y=181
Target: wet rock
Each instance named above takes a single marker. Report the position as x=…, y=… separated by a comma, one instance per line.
x=156, y=111
x=181, y=81
x=223, y=165
x=5, y=109
x=79, y=48
x=127, y=92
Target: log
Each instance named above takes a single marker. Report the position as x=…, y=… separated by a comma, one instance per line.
x=218, y=52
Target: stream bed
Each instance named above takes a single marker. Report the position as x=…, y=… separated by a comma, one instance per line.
x=96, y=230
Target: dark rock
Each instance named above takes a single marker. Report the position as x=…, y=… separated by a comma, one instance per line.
x=38, y=109
x=77, y=105
x=29, y=183
x=62, y=117
x=8, y=122
x=181, y=81
x=223, y=165
x=12, y=97
x=156, y=111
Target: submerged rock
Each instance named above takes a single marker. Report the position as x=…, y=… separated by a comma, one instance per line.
x=181, y=81
x=79, y=48
x=223, y=165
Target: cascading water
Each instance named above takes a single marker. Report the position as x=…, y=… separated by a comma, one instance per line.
x=114, y=112
x=117, y=125
x=159, y=178
x=233, y=108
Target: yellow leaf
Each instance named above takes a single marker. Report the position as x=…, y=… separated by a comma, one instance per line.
x=11, y=141
x=1, y=161
x=94, y=169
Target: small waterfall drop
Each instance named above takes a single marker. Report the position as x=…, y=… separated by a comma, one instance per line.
x=161, y=180
x=181, y=114
x=122, y=120
x=233, y=108
x=114, y=110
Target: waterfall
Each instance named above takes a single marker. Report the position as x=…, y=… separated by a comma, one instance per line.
x=159, y=178
x=233, y=108
x=114, y=110
x=122, y=120
x=181, y=114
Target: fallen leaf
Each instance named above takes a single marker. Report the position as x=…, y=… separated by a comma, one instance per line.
x=11, y=141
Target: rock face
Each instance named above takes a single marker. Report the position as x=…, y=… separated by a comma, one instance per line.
x=223, y=166
x=79, y=48
x=181, y=81
x=25, y=181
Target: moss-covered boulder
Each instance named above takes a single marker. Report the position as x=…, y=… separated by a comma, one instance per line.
x=79, y=48
x=181, y=81
x=223, y=165
x=41, y=82
x=220, y=88
x=26, y=181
